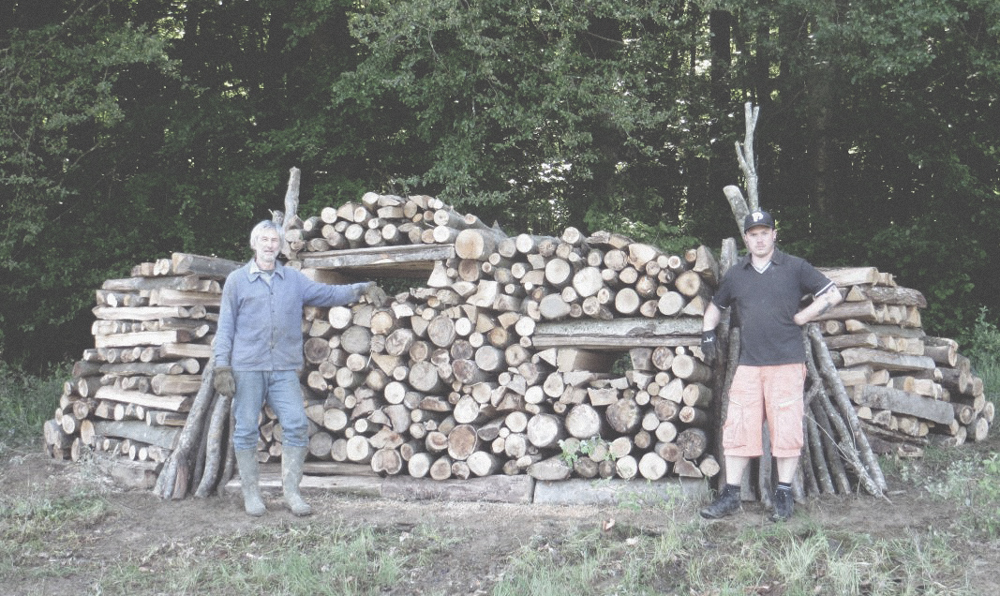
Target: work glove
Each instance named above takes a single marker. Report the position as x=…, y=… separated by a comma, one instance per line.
x=375, y=295
x=224, y=383
x=708, y=346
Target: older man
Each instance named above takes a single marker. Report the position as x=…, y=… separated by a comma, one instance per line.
x=258, y=356
x=766, y=287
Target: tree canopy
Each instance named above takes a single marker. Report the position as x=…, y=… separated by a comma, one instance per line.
x=135, y=129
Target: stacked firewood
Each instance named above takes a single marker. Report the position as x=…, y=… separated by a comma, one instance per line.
x=478, y=373
x=555, y=357
x=377, y=221
x=130, y=394
x=910, y=389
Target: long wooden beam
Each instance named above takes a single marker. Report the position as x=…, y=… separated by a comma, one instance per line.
x=407, y=260
x=618, y=334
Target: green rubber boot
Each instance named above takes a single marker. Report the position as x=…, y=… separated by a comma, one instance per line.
x=292, y=459
x=246, y=461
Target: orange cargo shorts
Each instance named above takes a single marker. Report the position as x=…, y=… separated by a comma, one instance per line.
x=772, y=393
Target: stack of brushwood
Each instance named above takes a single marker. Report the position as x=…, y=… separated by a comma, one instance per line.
x=551, y=356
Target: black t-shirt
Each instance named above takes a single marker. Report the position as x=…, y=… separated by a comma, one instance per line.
x=766, y=304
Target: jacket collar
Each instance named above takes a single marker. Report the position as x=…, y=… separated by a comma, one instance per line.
x=777, y=258
x=254, y=272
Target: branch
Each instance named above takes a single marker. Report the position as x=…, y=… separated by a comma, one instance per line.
x=745, y=155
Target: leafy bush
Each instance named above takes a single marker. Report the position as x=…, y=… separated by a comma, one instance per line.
x=983, y=349
x=26, y=402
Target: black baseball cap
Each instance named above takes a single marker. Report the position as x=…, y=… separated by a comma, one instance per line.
x=757, y=218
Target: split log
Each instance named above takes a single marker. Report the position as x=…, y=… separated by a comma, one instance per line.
x=174, y=480
x=217, y=445
x=904, y=402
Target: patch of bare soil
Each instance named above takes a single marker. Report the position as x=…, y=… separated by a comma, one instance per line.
x=480, y=535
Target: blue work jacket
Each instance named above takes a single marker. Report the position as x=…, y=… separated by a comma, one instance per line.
x=260, y=323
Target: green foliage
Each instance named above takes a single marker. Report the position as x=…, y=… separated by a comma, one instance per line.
x=541, y=109
x=572, y=449
x=971, y=483
x=982, y=346
x=667, y=237
x=26, y=402
x=33, y=524
x=60, y=115
x=922, y=258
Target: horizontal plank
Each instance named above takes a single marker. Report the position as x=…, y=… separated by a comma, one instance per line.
x=139, y=313
x=407, y=260
x=173, y=403
x=185, y=350
x=495, y=489
x=141, y=338
x=579, y=491
x=203, y=266
x=904, y=402
x=618, y=334
x=604, y=342
x=887, y=360
x=270, y=483
x=138, y=430
x=135, y=284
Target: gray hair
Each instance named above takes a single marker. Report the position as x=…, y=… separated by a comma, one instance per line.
x=258, y=229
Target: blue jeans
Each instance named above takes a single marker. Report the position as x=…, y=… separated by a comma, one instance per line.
x=282, y=392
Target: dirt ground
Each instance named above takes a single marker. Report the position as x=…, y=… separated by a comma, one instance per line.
x=143, y=523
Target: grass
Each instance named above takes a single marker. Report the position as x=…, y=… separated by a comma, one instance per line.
x=792, y=560
x=291, y=559
x=26, y=402
x=983, y=349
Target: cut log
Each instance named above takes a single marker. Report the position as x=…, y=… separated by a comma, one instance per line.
x=652, y=466
x=693, y=443
x=903, y=402
x=553, y=468
x=686, y=367
x=624, y=416
x=583, y=422
x=545, y=430
x=618, y=334
x=477, y=243
x=462, y=442
x=886, y=360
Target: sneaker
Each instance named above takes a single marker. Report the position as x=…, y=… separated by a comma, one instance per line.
x=727, y=503
x=784, y=504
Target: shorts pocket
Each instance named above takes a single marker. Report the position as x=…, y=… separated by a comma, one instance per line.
x=787, y=433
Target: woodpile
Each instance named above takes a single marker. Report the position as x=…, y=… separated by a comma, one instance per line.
x=910, y=389
x=132, y=393
x=505, y=363
x=552, y=357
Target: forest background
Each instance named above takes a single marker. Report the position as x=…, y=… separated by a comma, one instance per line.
x=131, y=129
